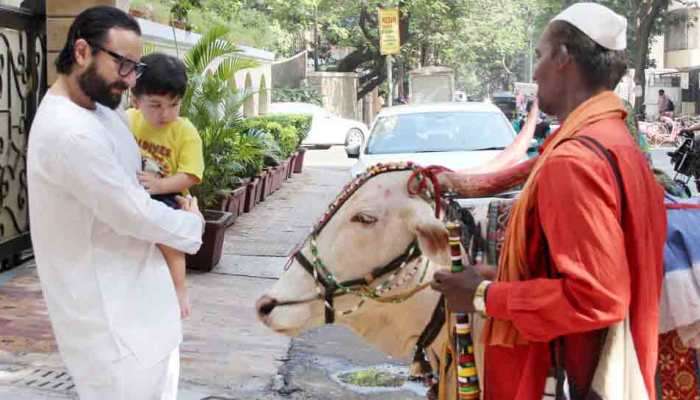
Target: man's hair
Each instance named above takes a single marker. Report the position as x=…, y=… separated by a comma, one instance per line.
x=164, y=75
x=661, y=91
x=93, y=26
x=600, y=66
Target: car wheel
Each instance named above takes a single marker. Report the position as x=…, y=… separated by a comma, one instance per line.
x=355, y=137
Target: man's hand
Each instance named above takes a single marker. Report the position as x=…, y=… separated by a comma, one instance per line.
x=151, y=182
x=458, y=288
x=190, y=205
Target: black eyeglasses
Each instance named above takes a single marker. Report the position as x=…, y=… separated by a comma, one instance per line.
x=126, y=66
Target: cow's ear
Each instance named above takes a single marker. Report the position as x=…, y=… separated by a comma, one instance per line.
x=433, y=240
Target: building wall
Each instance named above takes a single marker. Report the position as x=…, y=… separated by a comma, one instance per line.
x=338, y=91
x=682, y=40
x=60, y=15
x=289, y=73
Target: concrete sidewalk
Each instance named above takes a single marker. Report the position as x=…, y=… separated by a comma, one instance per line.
x=226, y=352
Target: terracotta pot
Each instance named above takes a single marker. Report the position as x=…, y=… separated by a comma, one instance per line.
x=251, y=194
x=137, y=13
x=290, y=165
x=179, y=24
x=209, y=254
x=299, y=162
x=264, y=183
x=275, y=179
x=224, y=205
x=269, y=182
x=237, y=201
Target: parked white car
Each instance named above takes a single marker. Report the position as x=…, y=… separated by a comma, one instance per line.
x=327, y=129
x=454, y=135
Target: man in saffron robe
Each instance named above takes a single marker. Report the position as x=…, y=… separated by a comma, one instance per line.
x=583, y=247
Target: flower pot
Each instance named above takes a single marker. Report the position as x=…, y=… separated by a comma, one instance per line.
x=250, y=194
x=269, y=182
x=299, y=162
x=209, y=254
x=275, y=179
x=281, y=174
x=260, y=193
x=179, y=24
x=137, y=13
x=236, y=201
x=224, y=206
x=290, y=164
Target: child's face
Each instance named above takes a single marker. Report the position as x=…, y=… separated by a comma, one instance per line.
x=159, y=110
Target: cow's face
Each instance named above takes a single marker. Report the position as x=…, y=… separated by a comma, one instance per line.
x=374, y=226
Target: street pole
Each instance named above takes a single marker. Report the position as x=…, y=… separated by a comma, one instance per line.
x=390, y=79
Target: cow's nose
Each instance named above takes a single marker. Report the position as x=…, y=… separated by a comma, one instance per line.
x=265, y=305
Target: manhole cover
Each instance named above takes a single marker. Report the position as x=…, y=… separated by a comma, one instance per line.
x=45, y=379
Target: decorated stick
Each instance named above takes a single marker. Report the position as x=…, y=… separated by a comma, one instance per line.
x=467, y=378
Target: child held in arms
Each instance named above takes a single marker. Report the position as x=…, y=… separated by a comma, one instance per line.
x=170, y=146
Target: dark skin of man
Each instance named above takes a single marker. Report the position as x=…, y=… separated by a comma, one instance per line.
x=562, y=88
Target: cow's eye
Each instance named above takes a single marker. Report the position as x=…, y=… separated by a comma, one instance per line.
x=364, y=219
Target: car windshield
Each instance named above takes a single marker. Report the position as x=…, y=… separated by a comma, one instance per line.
x=439, y=132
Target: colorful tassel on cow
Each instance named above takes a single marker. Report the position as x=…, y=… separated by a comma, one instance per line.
x=467, y=378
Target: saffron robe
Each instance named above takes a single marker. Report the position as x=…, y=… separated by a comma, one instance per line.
x=600, y=268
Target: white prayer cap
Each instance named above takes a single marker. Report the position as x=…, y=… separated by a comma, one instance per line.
x=599, y=23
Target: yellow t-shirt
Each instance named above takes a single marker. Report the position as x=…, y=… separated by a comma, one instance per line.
x=175, y=148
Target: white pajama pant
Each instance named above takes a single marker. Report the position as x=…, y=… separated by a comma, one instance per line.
x=126, y=379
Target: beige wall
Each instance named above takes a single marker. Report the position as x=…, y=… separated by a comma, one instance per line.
x=338, y=91
x=59, y=16
x=682, y=58
x=258, y=82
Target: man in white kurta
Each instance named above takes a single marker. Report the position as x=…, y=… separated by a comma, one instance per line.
x=110, y=298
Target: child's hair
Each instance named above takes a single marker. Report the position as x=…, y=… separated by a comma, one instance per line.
x=164, y=75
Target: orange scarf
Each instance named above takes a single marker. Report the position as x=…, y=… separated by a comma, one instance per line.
x=512, y=265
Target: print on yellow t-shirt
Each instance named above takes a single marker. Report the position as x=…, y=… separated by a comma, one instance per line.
x=174, y=148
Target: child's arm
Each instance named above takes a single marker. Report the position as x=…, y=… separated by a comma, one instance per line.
x=177, y=183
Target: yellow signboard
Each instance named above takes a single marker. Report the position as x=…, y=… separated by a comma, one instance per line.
x=389, y=38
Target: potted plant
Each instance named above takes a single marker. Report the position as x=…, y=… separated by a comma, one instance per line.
x=299, y=161
x=213, y=105
x=252, y=193
x=180, y=11
x=209, y=254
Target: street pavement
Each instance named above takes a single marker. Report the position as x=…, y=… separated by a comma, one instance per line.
x=226, y=352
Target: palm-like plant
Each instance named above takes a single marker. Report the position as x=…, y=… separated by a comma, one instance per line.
x=213, y=104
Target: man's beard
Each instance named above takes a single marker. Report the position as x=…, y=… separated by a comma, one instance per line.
x=98, y=89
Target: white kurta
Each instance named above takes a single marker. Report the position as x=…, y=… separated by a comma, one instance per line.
x=94, y=230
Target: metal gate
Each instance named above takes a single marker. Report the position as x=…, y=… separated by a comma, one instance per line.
x=22, y=85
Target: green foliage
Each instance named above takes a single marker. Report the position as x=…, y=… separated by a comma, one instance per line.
x=180, y=10
x=213, y=105
x=213, y=53
x=301, y=95
x=282, y=130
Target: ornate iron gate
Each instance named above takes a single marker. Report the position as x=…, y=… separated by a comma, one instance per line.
x=22, y=85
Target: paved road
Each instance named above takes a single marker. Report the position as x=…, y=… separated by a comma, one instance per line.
x=226, y=352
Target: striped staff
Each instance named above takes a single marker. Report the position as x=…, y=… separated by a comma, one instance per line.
x=467, y=378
